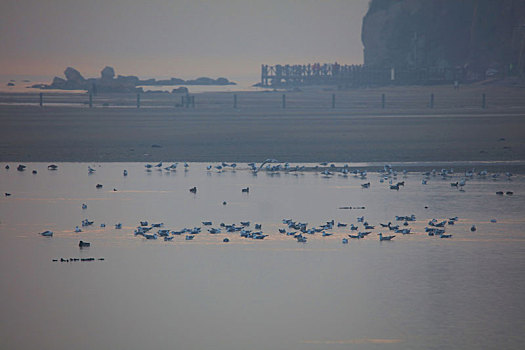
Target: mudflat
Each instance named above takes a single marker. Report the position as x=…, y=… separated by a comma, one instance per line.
x=307, y=129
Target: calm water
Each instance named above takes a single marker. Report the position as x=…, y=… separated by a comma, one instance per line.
x=416, y=292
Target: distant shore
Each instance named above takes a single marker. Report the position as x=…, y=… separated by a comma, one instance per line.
x=308, y=129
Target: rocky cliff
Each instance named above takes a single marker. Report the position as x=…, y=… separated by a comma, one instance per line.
x=476, y=35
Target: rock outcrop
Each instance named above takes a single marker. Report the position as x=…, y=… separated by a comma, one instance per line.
x=108, y=83
x=73, y=76
x=108, y=73
x=475, y=35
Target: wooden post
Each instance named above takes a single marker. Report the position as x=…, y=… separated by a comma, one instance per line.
x=383, y=98
x=483, y=101
x=41, y=99
x=182, y=101
x=333, y=100
x=284, y=101
x=431, y=105
x=138, y=100
x=90, y=100
x=234, y=100
x=193, y=101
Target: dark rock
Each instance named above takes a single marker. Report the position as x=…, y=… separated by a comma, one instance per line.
x=130, y=80
x=107, y=82
x=180, y=90
x=108, y=73
x=58, y=83
x=223, y=81
x=39, y=86
x=202, y=81
x=148, y=82
x=73, y=76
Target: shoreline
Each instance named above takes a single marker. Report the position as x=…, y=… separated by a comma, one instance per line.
x=358, y=129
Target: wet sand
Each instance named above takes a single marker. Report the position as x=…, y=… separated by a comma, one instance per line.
x=308, y=130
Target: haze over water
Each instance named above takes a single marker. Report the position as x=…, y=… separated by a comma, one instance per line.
x=411, y=293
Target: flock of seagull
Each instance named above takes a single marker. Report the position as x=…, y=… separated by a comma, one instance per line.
x=300, y=231
x=297, y=230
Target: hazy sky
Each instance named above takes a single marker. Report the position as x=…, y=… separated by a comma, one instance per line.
x=184, y=38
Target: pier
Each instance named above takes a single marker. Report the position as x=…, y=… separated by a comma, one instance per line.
x=354, y=75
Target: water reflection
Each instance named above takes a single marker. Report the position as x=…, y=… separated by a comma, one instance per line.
x=414, y=292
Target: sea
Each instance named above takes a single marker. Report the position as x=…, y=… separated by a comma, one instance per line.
x=413, y=292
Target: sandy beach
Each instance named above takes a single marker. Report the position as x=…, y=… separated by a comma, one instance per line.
x=358, y=129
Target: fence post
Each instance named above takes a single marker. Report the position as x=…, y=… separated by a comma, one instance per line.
x=138, y=100
x=483, y=101
x=284, y=101
x=383, y=98
x=41, y=99
x=193, y=101
x=431, y=100
x=90, y=100
x=333, y=100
